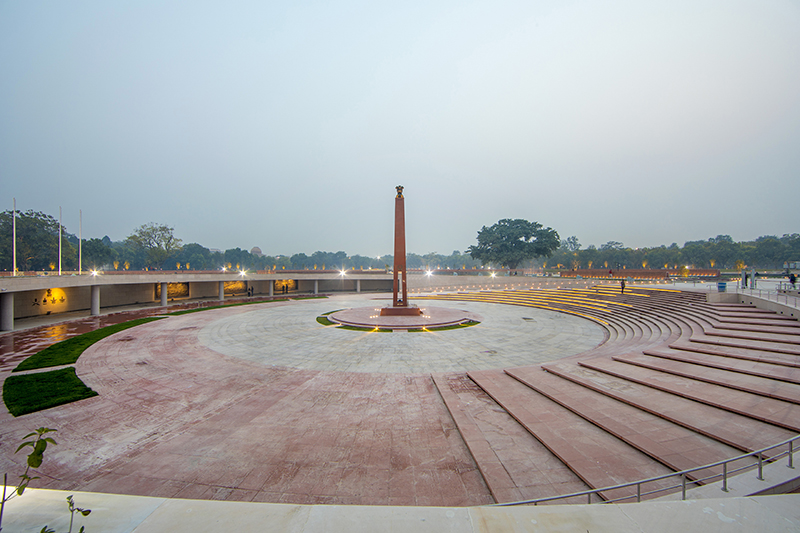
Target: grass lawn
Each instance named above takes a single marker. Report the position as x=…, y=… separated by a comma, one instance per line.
x=29, y=393
x=67, y=352
x=356, y=328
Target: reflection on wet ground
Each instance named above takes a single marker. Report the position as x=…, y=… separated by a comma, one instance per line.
x=17, y=345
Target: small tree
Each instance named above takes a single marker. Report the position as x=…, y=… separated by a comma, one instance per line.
x=510, y=242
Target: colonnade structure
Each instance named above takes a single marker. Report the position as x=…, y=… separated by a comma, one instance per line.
x=32, y=296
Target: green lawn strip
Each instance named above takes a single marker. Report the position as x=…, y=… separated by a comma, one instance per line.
x=324, y=321
x=331, y=312
x=67, y=351
x=197, y=310
x=455, y=326
x=443, y=328
x=308, y=297
x=357, y=328
x=28, y=393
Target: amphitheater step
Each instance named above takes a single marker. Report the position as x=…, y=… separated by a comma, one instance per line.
x=597, y=457
x=788, y=392
x=736, y=430
x=783, y=330
x=764, y=368
x=769, y=410
x=757, y=344
x=675, y=446
x=771, y=320
x=774, y=338
x=747, y=354
x=513, y=463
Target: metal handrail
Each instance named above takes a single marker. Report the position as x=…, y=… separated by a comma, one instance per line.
x=683, y=475
x=772, y=295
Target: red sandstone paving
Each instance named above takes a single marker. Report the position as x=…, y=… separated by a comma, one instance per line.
x=743, y=378
x=767, y=363
x=599, y=458
x=759, y=407
x=515, y=465
x=175, y=419
x=729, y=342
x=675, y=446
x=737, y=430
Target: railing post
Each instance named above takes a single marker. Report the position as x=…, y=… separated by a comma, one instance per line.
x=683, y=483
x=760, y=467
x=638, y=492
x=724, y=477
x=791, y=458
x=589, y=498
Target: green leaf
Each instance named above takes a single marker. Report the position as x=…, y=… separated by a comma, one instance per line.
x=50, y=440
x=35, y=460
x=46, y=529
x=85, y=512
x=29, y=443
x=29, y=435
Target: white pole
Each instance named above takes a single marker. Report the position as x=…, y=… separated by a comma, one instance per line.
x=80, y=241
x=14, y=237
x=59, y=240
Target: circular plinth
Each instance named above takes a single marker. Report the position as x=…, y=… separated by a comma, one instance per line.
x=431, y=317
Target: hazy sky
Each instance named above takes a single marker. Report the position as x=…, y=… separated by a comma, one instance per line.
x=287, y=125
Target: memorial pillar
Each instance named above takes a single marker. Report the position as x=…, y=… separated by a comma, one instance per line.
x=271, y=288
x=221, y=290
x=316, y=286
x=95, y=300
x=163, y=294
x=358, y=285
x=7, y=311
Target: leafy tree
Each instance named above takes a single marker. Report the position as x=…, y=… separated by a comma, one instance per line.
x=157, y=241
x=37, y=242
x=509, y=242
x=571, y=244
x=96, y=254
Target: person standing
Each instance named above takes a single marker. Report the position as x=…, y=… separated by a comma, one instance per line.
x=622, y=286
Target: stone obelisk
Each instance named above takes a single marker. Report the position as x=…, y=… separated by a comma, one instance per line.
x=400, y=287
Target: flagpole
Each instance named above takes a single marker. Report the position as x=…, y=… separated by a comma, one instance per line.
x=14, y=237
x=59, y=240
x=80, y=241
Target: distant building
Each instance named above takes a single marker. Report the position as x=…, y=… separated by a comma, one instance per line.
x=256, y=251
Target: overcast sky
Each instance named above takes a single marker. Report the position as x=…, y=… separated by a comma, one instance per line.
x=287, y=125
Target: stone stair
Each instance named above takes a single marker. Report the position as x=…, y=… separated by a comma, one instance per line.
x=679, y=383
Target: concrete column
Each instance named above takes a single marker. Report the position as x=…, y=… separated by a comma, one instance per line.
x=316, y=286
x=163, y=294
x=358, y=285
x=95, y=300
x=7, y=311
x=271, y=288
x=221, y=290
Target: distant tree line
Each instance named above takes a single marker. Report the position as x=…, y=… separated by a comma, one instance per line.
x=154, y=246
x=721, y=252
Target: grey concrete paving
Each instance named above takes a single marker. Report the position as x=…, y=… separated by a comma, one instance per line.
x=114, y=513
x=289, y=336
